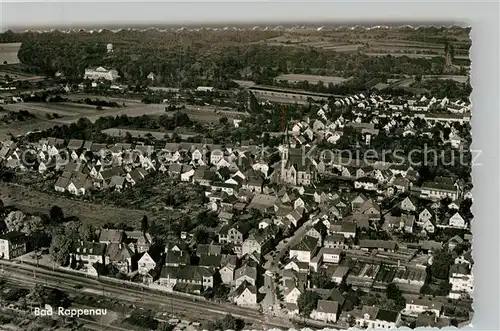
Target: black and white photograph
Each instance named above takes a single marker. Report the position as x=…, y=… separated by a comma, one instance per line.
x=235, y=175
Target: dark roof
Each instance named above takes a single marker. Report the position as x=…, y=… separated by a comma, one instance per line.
x=369, y=243
x=177, y=257
x=75, y=144
x=367, y=180
x=12, y=235
x=210, y=260
x=348, y=227
x=118, y=252
x=88, y=248
x=326, y=306
x=439, y=186
x=387, y=315
x=306, y=244
x=245, y=285
x=211, y=249
x=111, y=235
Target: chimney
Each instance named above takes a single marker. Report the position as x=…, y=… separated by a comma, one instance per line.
x=81, y=242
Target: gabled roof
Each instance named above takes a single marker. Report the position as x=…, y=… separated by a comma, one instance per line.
x=369, y=243
x=210, y=249
x=328, y=307
x=246, y=270
x=111, y=235
x=306, y=244
x=244, y=286
x=88, y=248
x=118, y=252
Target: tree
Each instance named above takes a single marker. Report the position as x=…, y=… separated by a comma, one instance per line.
x=320, y=279
x=144, y=224
x=222, y=292
x=18, y=221
x=393, y=291
x=60, y=248
x=56, y=214
x=307, y=302
x=441, y=262
x=229, y=322
x=143, y=319
x=41, y=295
x=223, y=120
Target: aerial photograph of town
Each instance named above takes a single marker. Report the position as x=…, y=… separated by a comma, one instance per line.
x=235, y=178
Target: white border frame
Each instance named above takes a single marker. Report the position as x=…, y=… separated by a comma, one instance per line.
x=482, y=16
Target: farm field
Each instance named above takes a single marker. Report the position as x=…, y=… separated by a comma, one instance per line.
x=457, y=78
x=21, y=128
x=8, y=53
x=39, y=109
x=137, y=133
x=29, y=200
x=312, y=79
x=132, y=111
x=119, y=100
x=458, y=57
x=376, y=42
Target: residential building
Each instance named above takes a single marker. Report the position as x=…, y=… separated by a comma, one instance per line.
x=101, y=73
x=415, y=307
x=245, y=294
x=88, y=252
x=305, y=250
x=12, y=245
x=373, y=317
x=461, y=280
x=326, y=311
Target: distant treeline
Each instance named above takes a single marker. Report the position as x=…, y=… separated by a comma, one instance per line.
x=193, y=60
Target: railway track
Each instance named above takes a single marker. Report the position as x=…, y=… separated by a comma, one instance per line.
x=168, y=302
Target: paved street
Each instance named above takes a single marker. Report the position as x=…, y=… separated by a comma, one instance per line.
x=283, y=246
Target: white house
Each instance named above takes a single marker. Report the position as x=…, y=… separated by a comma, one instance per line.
x=414, y=307
x=326, y=311
x=424, y=216
x=101, y=73
x=145, y=264
x=455, y=141
x=292, y=295
x=186, y=176
x=457, y=221
x=245, y=294
x=461, y=280
x=305, y=250
x=339, y=274
x=366, y=183
x=331, y=255
x=374, y=318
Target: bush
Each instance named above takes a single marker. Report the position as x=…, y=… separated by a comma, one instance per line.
x=143, y=319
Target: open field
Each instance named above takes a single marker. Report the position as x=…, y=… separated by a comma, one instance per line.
x=457, y=78
x=312, y=79
x=21, y=128
x=377, y=42
x=119, y=132
x=30, y=200
x=37, y=108
x=416, y=56
x=119, y=100
x=8, y=53
x=132, y=111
